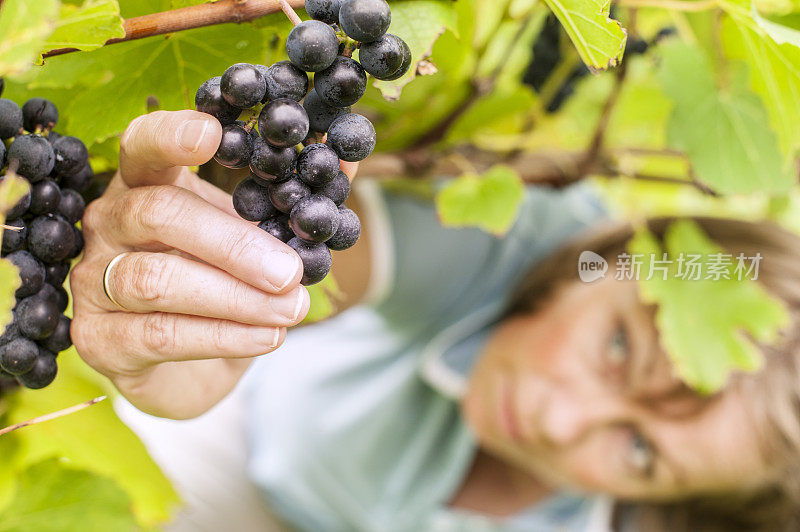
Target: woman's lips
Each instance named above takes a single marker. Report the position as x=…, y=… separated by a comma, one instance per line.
x=508, y=415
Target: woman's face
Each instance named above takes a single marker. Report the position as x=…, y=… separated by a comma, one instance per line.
x=581, y=395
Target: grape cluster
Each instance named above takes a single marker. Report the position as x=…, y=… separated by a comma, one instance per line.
x=40, y=238
x=292, y=139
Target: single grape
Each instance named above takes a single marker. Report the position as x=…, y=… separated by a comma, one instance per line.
x=43, y=373
x=284, y=80
x=52, y=137
x=314, y=218
x=352, y=137
x=71, y=206
x=11, y=331
x=312, y=46
x=404, y=67
x=283, y=123
x=79, y=182
x=316, y=259
x=385, y=57
x=56, y=273
x=317, y=164
x=286, y=194
x=33, y=157
x=321, y=113
x=243, y=85
x=235, y=148
x=10, y=119
x=49, y=293
x=31, y=273
x=341, y=84
x=18, y=210
x=60, y=340
x=208, y=99
x=37, y=317
x=365, y=20
x=50, y=238
x=269, y=162
x=14, y=240
x=45, y=197
x=338, y=189
x=62, y=300
x=19, y=356
x=278, y=226
x=251, y=201
x=348, y=232
x=326, y=11
x=71, y=155
x=77, y=244
x=39, y=113
x=264, y=69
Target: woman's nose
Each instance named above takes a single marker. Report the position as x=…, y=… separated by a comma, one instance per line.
x=569, y=416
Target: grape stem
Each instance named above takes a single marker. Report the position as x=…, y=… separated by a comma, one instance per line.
x=290, y=13
x=53, y=415
x=11, y=228
x=187, y=18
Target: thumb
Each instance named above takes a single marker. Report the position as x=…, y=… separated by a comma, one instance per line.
x=155, y=146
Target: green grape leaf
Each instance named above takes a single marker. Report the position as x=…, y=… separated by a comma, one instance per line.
x=87, y=27
x=725, y=132
x=24, y=26
x=51, y=497
x=93, y=439
x=599, y=39
x=323, y=299
x=771, y=51
x=708, y=326
x=110, y=86
x=12, y=188
x=419, y=23
x=490, y=202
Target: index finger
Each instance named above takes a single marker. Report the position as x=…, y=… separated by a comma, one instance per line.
x=179, y=219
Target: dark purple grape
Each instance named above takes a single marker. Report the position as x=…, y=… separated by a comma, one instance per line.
x=10, y=119
x=208, y=99
x=77, y=245
x=283, y=123
x=56, y=273
x=321, y=113
x=31, y=273
x=326, y=11
x=348, y=232
x=45, y=197
x=14, y=240
x=49, y=293
x=284, y=80
x=286, y=194
x=71, y=206
x=71, y=155
x=50, y=238
x=316, y=259
x=62, y=299
x=79, y=182
x=317, y=164
x=338, y=189
x=18, y=356
x=60, y=340
x=312, y=46
x=243, y=85
x=365, y=20
x=43, y=373
x=33, y=157
x=11, y=331
x=278, y=227
x=251, y=201
x=342, y=84
x=352, y=137
x=387, y=58
x=314, y=218
x=39, y=113
x=37, y=317
x=235, y=148
x=269, y=162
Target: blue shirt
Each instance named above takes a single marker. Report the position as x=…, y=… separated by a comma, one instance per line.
x=354, y=424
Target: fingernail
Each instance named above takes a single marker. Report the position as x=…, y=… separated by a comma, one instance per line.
x=280, y=268
x=191, y=133
x=288, y=306
x=268, y=337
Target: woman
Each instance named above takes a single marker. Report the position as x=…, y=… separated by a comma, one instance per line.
x=433, y=406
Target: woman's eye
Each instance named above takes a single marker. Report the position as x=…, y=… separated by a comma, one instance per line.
x=618, y=349
x=642, y=457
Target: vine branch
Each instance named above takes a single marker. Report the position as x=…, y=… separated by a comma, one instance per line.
x=187, y=18
x=53, y=415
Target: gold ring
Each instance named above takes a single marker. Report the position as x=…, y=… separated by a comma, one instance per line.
x=106, y=288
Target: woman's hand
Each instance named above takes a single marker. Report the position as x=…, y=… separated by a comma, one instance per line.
x=199, y=290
